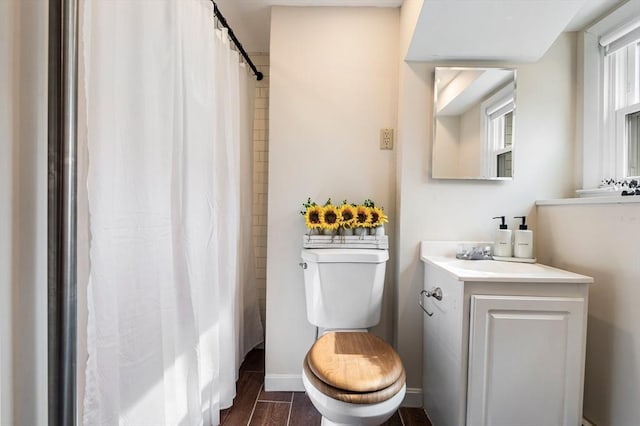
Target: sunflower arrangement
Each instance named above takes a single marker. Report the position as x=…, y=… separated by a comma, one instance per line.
x=345, y=217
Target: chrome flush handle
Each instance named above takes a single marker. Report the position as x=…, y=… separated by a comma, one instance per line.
x=303, y=265
x=436, y=293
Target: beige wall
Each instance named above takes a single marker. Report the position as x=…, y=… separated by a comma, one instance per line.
x=448, y=147
x=23, y=212
x=462, y=210
x=470, y=155
x=333, y=87
x=601, y=240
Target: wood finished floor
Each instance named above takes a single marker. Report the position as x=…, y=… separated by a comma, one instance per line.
x=253, y=406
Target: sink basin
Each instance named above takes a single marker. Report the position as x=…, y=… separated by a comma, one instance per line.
x=496, y=271
x=497, y=267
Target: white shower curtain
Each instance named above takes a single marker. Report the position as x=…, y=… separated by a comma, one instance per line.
x=171, y=296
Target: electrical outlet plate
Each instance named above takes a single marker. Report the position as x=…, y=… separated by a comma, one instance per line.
x=386, y=138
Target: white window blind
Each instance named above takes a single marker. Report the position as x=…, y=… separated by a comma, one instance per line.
x=501, y=110
x=621, y=37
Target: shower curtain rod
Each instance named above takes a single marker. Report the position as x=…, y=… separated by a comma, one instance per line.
x=232, y=36
x=62, y=179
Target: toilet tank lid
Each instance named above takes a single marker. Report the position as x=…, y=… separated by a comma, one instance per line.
x=345, y=255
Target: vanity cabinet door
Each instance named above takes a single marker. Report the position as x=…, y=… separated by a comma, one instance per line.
x=526, y=360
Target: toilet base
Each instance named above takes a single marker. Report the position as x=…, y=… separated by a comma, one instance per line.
x=339, y=413
x=327, y=422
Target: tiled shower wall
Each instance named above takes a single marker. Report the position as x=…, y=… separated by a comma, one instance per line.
x=261, y=176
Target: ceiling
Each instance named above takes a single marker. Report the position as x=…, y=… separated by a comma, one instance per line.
x=459, y=89
x=251, y=19
x=447, y=29
x=496, y=30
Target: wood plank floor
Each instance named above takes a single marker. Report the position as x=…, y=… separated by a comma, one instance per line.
x=255, y=407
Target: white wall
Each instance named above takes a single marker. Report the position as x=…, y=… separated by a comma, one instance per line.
x=470, y=152
x=449, y=210
x=448, y=148
x=23, y=213
x=333, y=87
x=609, y=252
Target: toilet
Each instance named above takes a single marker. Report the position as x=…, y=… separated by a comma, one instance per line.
x=351, y=376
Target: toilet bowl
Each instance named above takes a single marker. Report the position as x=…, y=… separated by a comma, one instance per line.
x=353, y=378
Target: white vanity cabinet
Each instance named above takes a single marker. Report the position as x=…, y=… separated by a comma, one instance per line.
x=505, y=343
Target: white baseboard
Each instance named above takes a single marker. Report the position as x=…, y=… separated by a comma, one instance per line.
x=283, y=383
x=413, y=398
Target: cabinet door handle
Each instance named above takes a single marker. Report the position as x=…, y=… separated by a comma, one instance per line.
x=436, y=293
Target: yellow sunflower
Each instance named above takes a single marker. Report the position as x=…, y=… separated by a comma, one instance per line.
x=330, y=218
x=347, y=215
x=363, y=217
x=378, y=217
x=314, y=217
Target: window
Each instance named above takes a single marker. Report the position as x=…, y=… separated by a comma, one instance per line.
x=610, y=105
x=632, y=127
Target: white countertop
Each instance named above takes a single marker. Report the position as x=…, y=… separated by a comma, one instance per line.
x=496, y=271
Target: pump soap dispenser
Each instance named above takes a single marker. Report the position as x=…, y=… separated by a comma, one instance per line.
x=502, y=246
x=523, y=240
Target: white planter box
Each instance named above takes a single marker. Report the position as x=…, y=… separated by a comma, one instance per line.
x=349, y=241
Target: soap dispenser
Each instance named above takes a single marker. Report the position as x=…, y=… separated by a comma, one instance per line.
x=523, y=240
x=502, y=246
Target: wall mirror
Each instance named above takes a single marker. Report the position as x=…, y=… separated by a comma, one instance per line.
x=473, y=123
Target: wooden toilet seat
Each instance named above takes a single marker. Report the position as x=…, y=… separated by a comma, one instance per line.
x=354, y=367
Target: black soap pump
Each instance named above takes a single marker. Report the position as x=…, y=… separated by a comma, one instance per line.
x=523, y=240
x=502, y=245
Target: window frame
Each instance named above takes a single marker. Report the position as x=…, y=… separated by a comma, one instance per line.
x=600, y=156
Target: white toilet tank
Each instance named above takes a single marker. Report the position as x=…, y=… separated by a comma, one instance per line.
x=344, y=287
